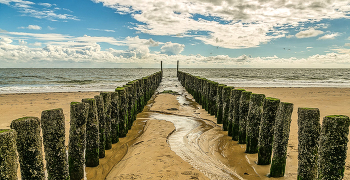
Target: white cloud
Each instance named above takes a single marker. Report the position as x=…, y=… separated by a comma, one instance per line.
x=45, y=4
x=328, y=36
x=27, y=8
x=5, y=40
x=34, y=27
x=50, y=28
x=22, y=42
x=36, y=44
x=106, y=30
x=309, y=47
x=247, y=23
x=308, y=33
x=347, y=44
x=170, y=48
x=92, y=52
x=289, y=36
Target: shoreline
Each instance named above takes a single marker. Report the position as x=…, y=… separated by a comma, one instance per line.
x=328, y=100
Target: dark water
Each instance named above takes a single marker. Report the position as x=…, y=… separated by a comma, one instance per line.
x=276, y=77
x=62, y=80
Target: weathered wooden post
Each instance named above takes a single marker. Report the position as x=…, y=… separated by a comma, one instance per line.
x=8, y=155
x=29, y=147
x=253, y=122
x=107, y=107
x=77, y=139
x=101, y=125
x=177, y=69
x=226, y=106
x=115, y=111
x=219, y=103
x=333, y=147
x=92, y=135
x=123, y=116
x=53, y=126
x=281, y=135
x=234, y=113
x=308, y=136
x=266, y=130
x=161, y=66
x=243, y=114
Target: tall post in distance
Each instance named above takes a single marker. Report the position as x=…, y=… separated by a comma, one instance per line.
x=177, y=69
x=161, y=66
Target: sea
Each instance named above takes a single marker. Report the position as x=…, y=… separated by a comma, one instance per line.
x=36, y=80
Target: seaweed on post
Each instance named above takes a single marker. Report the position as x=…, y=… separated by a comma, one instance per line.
x=308, y=137
x=29, y=148
x=253, y=122
x=77, y=139
x=92, y=135
x=108, y=123
x=333, y=147
x=8, y=155
x=234, y=113
x=281, y=135
x=243, y=114
x=266, y=130
x=53, y=126
x=101, y=125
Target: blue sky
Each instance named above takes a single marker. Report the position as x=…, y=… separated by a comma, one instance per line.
x=198, y=33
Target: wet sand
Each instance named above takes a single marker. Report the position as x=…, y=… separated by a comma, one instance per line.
x=139, y=159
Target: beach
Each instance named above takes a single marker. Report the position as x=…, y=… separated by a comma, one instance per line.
x=329, y=100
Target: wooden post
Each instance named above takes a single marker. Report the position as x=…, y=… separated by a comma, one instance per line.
x=53, y=126
x=333, y=147
x=77, y=139
x=8, y=165
x=92, y=135
x=266, y=130
x=253, y=122
x=308, y=137
x=280, y=139
x=161, y=66
x=177, y=69
x=29, y=147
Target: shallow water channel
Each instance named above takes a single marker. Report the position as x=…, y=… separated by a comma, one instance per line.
x=185, y=141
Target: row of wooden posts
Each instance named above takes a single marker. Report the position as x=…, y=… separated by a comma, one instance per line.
x=95, y=124
x=263, y=124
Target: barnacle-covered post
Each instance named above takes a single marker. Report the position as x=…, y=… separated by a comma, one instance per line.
x=219, y=103
x=53, y=126
x=115, y=111
x=308, y=136
x=281, y=135
x=234, y=113
x=29, y=147
x=101, y=125
x=243, y=114
x=333, y=147
x=253, y=122
x=226, y=106
x=8, y=155
x=77, y=139
x=123, y=116
x=92, y=135
x=213, y=96
x=107, y=107
x=266, y=130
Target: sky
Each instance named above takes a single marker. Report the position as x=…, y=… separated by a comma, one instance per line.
x=197, y=33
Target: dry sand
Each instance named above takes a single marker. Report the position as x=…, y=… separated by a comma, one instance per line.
x=150, y=156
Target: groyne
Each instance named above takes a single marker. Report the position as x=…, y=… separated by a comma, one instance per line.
x=105, y=117
x=264, y=124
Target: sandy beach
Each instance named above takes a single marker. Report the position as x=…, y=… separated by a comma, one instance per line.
x=146, y=152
